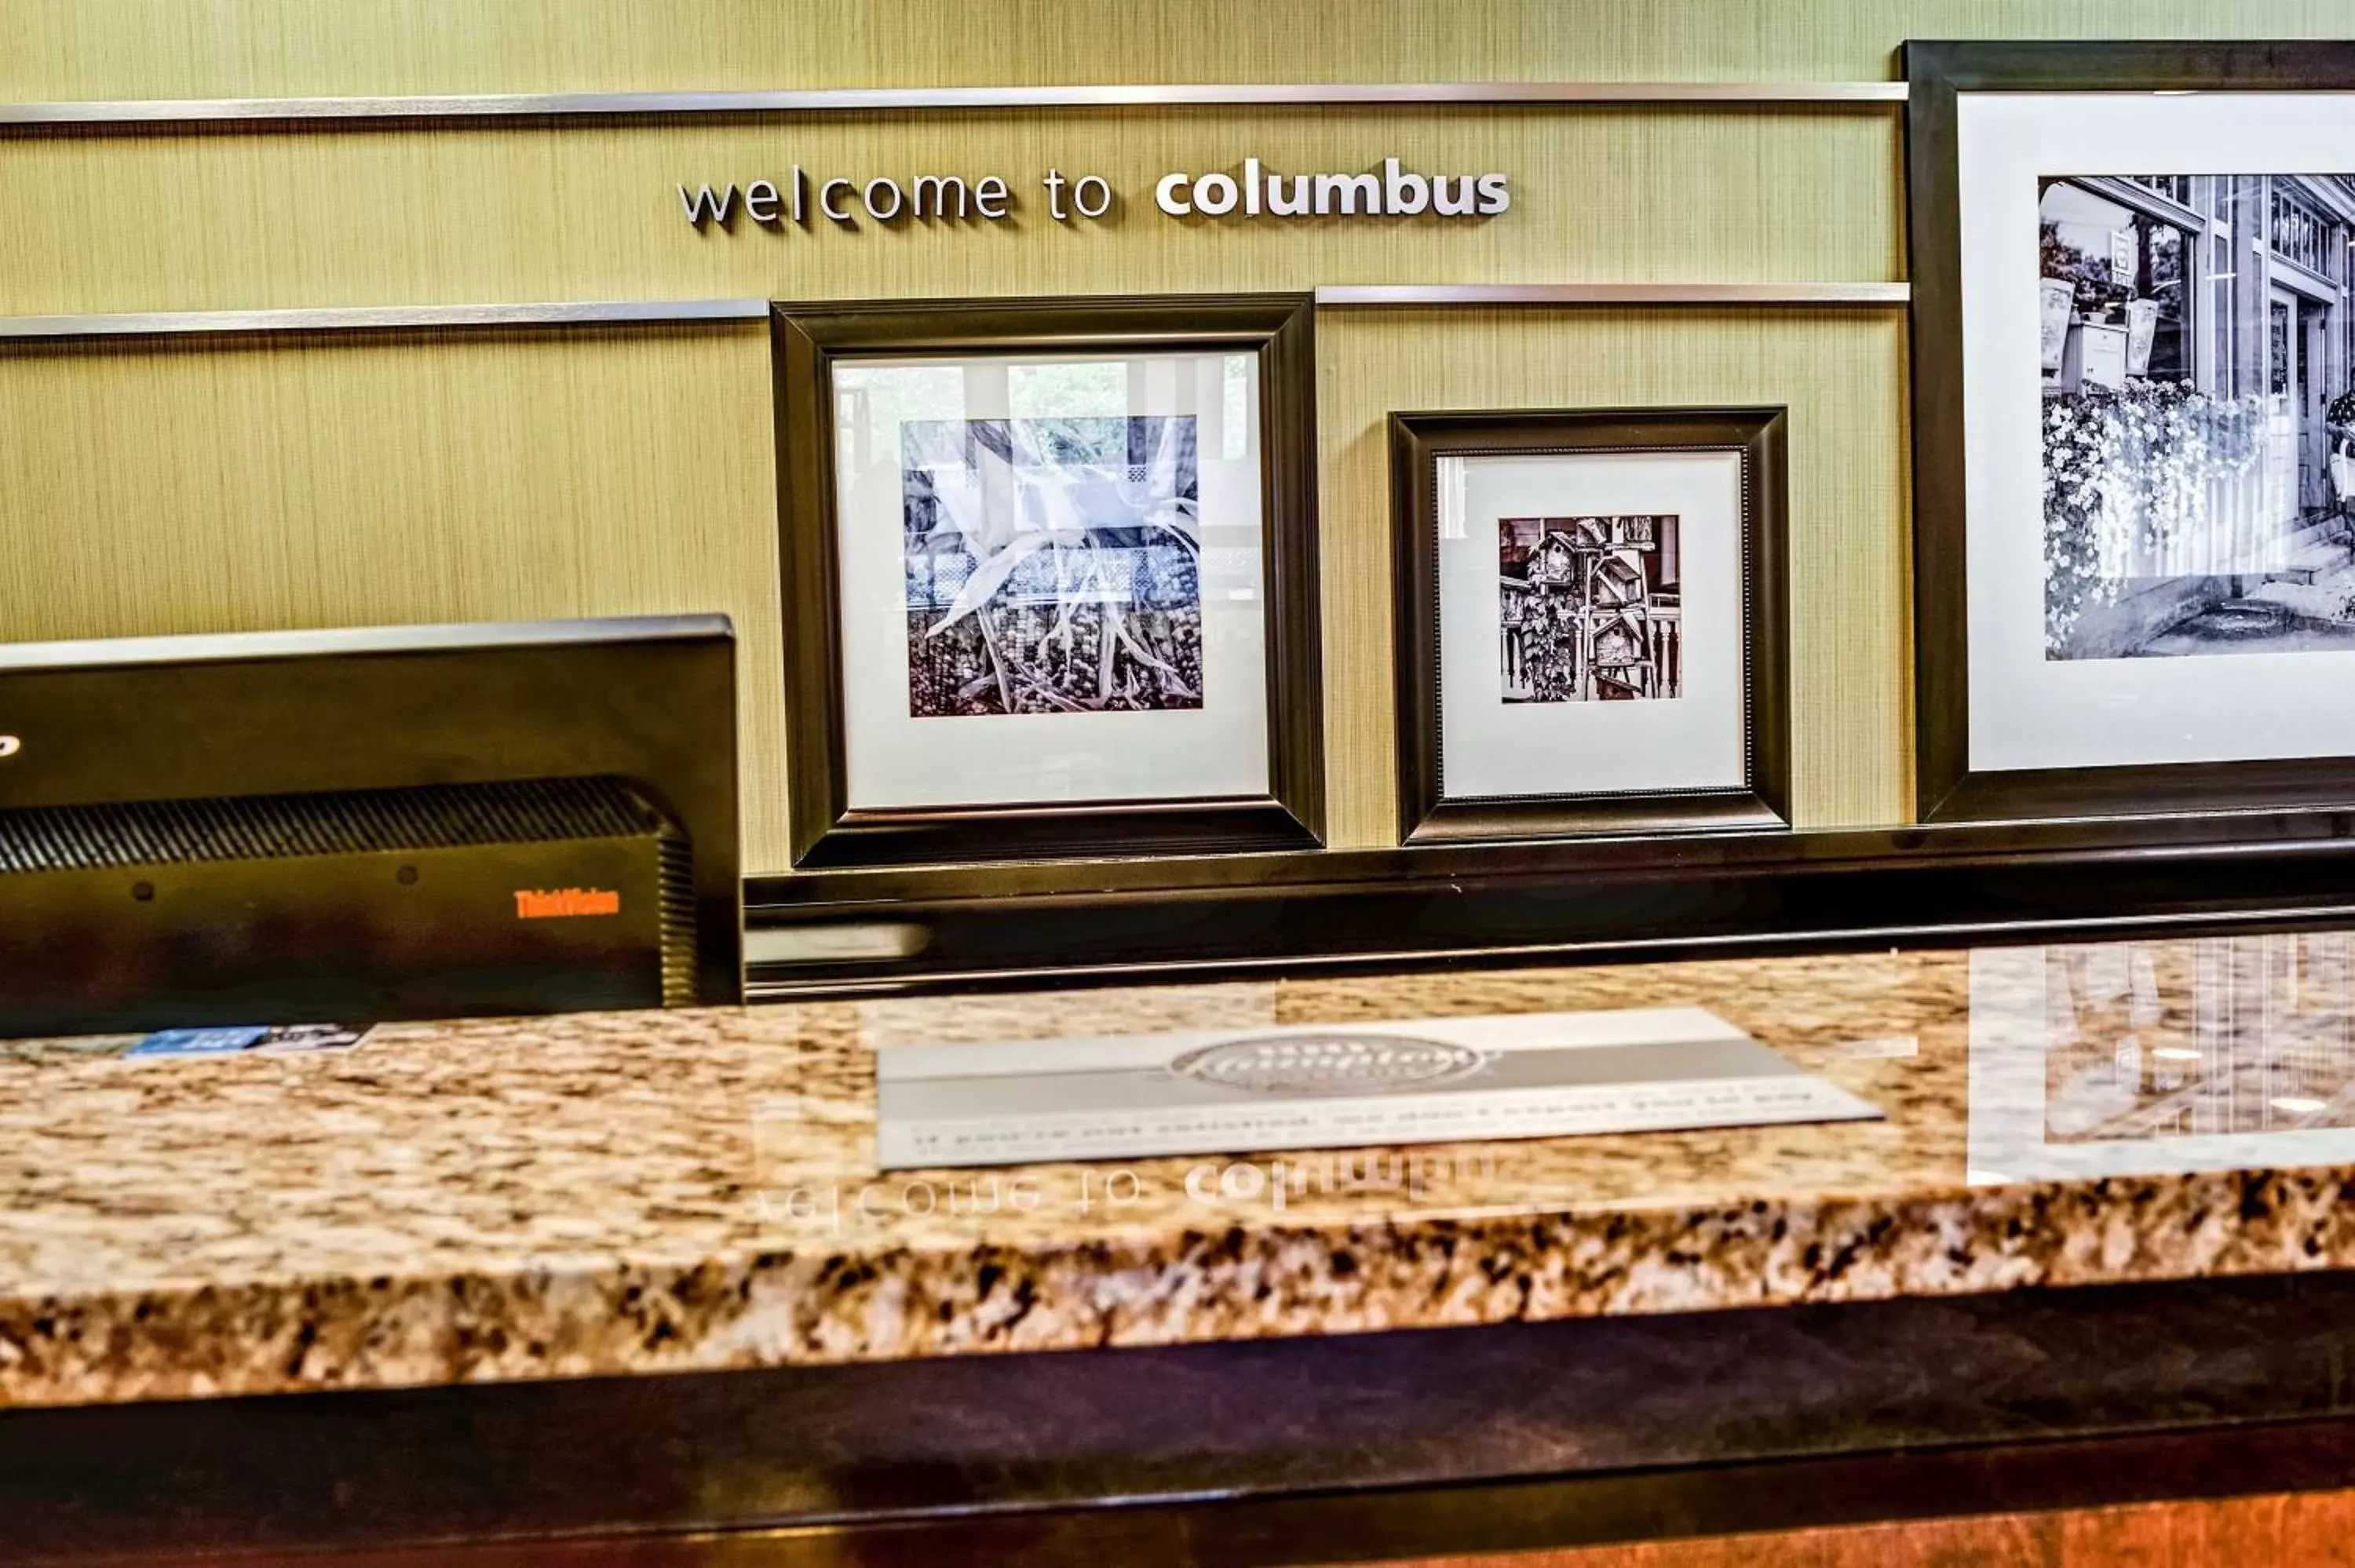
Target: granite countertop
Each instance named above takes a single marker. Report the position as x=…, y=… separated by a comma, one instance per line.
x=644, y=1192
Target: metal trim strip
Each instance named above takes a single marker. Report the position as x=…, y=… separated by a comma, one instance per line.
x=1345, y=295
x=320, y=641
x=870, y=100
x=627, y=312
x=380, y=318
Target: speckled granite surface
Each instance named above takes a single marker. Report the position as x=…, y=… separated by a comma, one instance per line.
x=653, y=1192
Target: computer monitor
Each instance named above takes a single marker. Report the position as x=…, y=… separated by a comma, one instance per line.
x=357, y=826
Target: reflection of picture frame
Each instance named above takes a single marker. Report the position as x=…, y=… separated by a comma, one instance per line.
x=1050, y=575
x=2128, y=1058
x=2134, y=578
x=1592, y=622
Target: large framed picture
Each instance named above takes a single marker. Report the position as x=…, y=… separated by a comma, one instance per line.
x=2133, y=372
x=1050, y=577
x=1590, y=622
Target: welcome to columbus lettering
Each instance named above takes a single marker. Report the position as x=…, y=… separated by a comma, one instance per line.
x=801, y=198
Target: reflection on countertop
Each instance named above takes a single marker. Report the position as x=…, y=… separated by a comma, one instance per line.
x=2129, y=1058
x=611, y=1193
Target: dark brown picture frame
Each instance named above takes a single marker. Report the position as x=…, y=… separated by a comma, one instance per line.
x=1417, y=444
x=1946, y=788
x=809, y=341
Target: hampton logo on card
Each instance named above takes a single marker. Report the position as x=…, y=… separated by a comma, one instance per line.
x=1416, y=1080
x=1311, y=1063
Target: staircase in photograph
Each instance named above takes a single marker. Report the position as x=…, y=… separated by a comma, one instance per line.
x=2316, y=577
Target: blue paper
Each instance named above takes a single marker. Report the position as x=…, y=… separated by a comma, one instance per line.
x=215, y=1042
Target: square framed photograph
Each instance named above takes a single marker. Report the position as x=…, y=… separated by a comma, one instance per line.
x=1049, y=579
x=1592, y=622
x=2133, y=369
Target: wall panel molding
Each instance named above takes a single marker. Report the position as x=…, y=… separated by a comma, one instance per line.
x=1894, y=295
x=645, y=312
x=539, y=106
x=380, y=318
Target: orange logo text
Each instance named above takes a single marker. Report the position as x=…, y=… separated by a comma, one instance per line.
x=535, y=905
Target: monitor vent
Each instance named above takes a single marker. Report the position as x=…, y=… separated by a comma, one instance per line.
x=264, y=827
x=678, y=955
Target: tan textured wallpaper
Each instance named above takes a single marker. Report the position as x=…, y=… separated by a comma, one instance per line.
x=1842, y=374
x=252, y=219
x=190, y=49
x=215, y=485
x=341, y=482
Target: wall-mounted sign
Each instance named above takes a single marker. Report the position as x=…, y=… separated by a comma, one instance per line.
x=803, y=199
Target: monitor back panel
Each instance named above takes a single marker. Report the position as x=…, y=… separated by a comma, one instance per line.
x=151, y=728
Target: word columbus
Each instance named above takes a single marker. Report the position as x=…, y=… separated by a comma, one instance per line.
x=1391, y=192
x=1394, y=193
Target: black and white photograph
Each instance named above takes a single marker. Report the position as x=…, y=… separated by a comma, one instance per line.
x=2134, y=429
x=1590, y=626
x=1588, y=608
x=1049, y=574
x=2199, y=414
x=1052, y=564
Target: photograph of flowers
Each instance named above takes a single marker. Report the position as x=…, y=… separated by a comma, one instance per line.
x=2134, y=429
x=1051, y=564
x=1588, y=608
x=2197, y=467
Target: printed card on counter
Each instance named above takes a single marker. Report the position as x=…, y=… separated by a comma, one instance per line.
x=1428, y=1080
x=277, y=1039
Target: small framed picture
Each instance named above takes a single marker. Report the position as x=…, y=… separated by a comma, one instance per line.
x=1049, y=579
x=1590, y=622
x=2134, y=366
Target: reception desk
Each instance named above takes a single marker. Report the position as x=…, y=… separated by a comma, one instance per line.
x=629, y=1288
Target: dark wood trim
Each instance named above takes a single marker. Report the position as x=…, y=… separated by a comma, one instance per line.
x=825, y=830
x=1501, y=1524
x=1933, y=265
x=1417, y=444
x=1588, y=900
x=1317, y=1450
x=1946, y=789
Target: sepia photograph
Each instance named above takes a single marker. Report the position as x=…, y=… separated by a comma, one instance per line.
x=1590, y=609
x=2199, y=414
x=1051, y=564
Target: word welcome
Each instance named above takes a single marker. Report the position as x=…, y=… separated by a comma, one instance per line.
x=801, y=198
x=931, y=198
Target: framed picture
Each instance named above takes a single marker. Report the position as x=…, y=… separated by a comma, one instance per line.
x=1049, y=579
x=1590, y=622
x=2133, y=372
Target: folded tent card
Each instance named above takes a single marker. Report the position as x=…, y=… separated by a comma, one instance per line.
x=1421, y=1080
